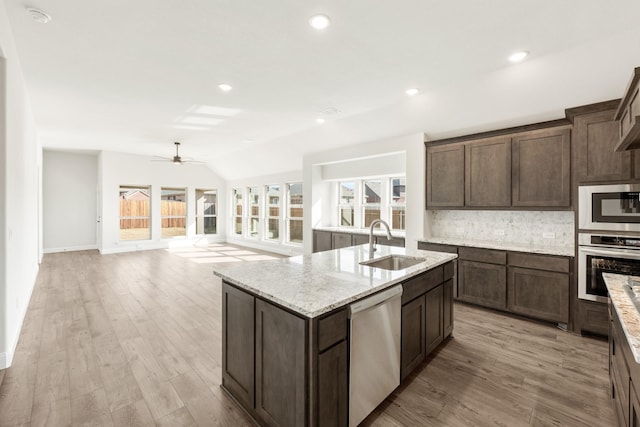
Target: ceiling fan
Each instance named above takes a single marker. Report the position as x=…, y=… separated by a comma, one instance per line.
x=176, y=160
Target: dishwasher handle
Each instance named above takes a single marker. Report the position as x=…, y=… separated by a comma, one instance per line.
x=375, y=300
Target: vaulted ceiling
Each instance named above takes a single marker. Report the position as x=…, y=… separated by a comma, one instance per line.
x=135, y=76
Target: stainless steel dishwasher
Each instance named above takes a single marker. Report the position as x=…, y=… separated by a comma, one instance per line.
x=374, y=366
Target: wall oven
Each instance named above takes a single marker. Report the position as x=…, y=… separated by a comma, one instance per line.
x=609, y=207
x=599, y=254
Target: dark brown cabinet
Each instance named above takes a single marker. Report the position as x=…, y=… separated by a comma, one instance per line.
x=482, y=283
x=434, y=318
x=445, y=176
x=272, y=358
x=447, y=307
x=488, y=173
x=324, y=240
x=427, y=315
x=540, y=294
x=634, y=409
x=333, y=380
x=321, y=241
x=238, y=336
x=280, y=366
x=340, y=240
x=413, y=336
x=541, y=168
x=594, y=137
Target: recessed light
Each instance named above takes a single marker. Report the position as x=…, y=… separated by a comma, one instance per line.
x=38, y=15
x=225, y=87
x=412, y=91
x=320, y=21
x=320, y=120
x=518, y=56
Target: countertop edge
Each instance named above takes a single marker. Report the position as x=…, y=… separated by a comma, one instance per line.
x=557, y=251
x=411, y=272
x=627, y=314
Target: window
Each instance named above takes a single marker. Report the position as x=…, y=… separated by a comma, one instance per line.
x=397, y=205
x=273, y=212
x=237, y=211
x=254, y=212
x=371, y=190
x=135, y=213
x=346, y=203
x=206, y=211
x=173, y=212
x=294, y=213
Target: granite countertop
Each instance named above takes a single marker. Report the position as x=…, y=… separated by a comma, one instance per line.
x=627, y=312
x=351, y=230
x=505, y=246
x=315, y=284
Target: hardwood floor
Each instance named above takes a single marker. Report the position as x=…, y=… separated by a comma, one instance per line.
x=134, y=339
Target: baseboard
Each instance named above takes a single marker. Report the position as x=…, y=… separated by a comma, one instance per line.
x=3, y=363
x=70, y=249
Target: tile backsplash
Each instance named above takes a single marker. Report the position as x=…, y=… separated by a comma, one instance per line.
x=535, y=228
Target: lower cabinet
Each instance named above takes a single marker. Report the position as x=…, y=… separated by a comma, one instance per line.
x=340, y=240
x=539, y=294
x=634, y=408
x=593, y=317
x=280, y=366
x=482, y=283
x=427, y=318
x=623, y=369
x=333, y=386
x=324, y=240
x=321, y=241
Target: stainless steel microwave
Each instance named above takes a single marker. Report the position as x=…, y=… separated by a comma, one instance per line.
x=609, y=207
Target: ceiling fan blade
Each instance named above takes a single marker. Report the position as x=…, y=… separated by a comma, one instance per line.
x=196, y=162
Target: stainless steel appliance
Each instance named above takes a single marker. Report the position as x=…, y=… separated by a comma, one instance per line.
x=609, y=207
x=374, y=366
x=599, y=254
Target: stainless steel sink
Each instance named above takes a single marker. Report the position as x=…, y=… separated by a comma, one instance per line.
x=393, y=262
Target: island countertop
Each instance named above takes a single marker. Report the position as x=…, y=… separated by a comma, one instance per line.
x=312, y=285
x=626, y=310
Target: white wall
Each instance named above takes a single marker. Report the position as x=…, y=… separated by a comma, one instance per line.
x=125, y=169
x=279, y=246
x=20, y=160
x=70, y=182
x=316, y=199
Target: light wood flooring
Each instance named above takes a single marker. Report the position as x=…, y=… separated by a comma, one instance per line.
x=134, y=339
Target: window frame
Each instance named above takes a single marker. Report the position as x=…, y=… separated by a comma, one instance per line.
x=173, y=217
x=364, y=205
x=203, y=215
x=392, y=204
x=234, y=206
x=129, y=218
x=268, y=217
x=290, y=218
x=250, y=215
x=353, y=206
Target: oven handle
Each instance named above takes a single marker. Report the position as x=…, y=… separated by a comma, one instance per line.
x=620, y=253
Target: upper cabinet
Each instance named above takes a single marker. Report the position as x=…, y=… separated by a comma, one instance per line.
x=628, y=115
x=594, y=137
x=445, y=185
x=522, y=169
x=541, y=168
x=488, y=173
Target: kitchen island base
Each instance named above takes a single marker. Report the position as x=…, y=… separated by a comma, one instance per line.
x=288, y=369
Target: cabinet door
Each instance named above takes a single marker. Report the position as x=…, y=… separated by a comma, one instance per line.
x=280, y=366
x=540, y=168
x=360, y=239
x=413, y=351
x=321, y=240
x=445, y=176
x=594, y=137
x=238, y=344
x=593, y=317
x=447, y=307
x=434, y=319
x=488, y=173
x=540, y=294
x=395, y=241
x=483, y=284
x=333, y=408
x=340, y=240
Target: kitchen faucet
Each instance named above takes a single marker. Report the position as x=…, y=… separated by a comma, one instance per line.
x=372, y=245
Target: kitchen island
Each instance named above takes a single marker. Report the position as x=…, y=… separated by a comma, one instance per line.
x=286, y=327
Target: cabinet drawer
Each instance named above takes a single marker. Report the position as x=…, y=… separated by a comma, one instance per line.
x=539, y=262
x=483, y=255
x=332, y=329
x=419, y=285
